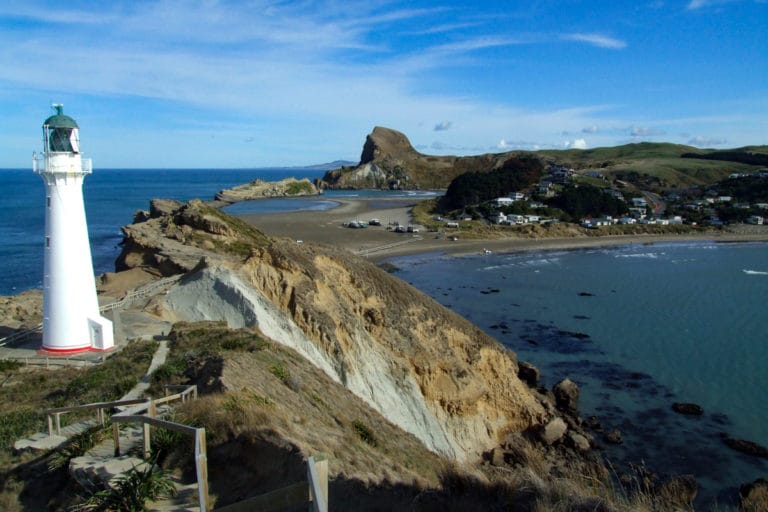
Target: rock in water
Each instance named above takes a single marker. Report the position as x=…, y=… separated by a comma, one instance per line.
x=567, y=396
x=745, y=446
x=613, y=437
x=687, y=408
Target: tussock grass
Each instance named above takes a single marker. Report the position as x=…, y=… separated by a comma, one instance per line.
x=34, y=482
x=27, y=393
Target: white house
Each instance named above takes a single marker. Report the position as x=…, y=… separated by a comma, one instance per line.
x=498, y=218
x=596, y=223
x=756, y=219
x=639, y=202
x=504, y=201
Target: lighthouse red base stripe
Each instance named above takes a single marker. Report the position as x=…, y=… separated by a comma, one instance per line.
x=45, y=351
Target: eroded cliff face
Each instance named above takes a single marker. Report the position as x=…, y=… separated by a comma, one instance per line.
x=424, y=367
x=389, y=161
x=420, y=365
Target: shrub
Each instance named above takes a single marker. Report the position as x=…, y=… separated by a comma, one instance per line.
x=15, y=424
x=8, y=365
x=132, y=490
x=279, y=371
x=364, y=433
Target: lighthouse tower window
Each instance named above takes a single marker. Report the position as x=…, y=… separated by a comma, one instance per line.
x=62, y=139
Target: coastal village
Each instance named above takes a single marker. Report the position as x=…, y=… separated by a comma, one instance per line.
x=696, y=206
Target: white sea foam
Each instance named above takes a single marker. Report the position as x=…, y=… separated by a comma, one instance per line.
x=649, y=255
x=755, y=272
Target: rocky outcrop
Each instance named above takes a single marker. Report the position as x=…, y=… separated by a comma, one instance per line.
x=173, y=237
x=389, y=161
x=426, y=369
x=754, y=496
x=567, y=396
x=260, y=189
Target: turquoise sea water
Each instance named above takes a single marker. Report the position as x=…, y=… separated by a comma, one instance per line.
x=638, y=327
x=665, y=322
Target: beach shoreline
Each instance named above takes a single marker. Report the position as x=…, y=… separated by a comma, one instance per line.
x=379, y=244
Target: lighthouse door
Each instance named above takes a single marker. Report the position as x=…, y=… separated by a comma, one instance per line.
x=97, y=340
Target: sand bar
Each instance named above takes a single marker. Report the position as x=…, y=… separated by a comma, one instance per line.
x=380, y=244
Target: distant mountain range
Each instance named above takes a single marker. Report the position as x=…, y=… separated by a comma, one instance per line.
x=324, y=167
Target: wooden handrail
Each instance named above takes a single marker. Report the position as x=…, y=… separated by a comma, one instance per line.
x=157, y=422
x=101, y=406
x=201, y=456
x=96, y=405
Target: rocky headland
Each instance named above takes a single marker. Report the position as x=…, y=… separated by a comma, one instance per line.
x=428, y=370
x=389, y=161
x=260, y=189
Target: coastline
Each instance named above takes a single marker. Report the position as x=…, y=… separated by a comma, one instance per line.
x=379, y=244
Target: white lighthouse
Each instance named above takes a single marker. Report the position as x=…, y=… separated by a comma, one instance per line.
x=71, y=319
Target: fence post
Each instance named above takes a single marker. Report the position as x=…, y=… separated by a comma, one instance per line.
x=201, y=467
x=116, y=438
x=317, y=475
x=50, y=425
x=58, y=422
x=147, y=429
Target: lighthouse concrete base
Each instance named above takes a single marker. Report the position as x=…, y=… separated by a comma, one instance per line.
x=102, y=339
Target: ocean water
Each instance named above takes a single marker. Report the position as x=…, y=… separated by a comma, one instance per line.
x=638, y=327
x=111, y=196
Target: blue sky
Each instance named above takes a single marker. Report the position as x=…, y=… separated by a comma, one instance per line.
x=270, y=83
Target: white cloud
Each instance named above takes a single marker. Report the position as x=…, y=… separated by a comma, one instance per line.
x=598, y=40
x=698, y=4
x=442, y=126
x=575, y=144
x=590, y=129
x=702, y=141
x=637, y=131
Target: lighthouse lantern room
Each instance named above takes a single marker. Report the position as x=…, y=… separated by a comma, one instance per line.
x=71, y=317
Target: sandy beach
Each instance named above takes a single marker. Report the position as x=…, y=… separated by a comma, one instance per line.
x=379, y=244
